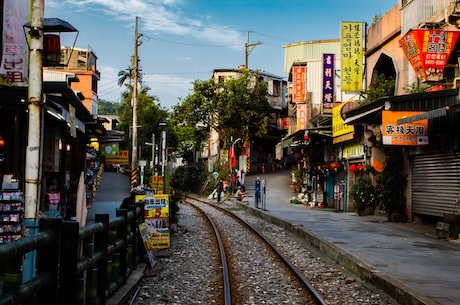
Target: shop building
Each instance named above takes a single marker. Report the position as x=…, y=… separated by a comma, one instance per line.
x=431, y=158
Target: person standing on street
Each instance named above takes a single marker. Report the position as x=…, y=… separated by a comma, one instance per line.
x=219, y=189
x=257, y=194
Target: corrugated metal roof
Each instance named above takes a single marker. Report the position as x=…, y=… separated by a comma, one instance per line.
x=309, y=50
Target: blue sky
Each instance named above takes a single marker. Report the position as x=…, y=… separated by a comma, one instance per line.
x=185, y=40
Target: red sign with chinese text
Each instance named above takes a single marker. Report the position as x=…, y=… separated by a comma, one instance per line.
x=300, y=78
x=428, y=51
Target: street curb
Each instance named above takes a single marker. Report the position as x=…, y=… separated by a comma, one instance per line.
x=122, y=294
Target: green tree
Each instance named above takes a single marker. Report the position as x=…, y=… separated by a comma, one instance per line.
x=237, y=107
x=108, y=108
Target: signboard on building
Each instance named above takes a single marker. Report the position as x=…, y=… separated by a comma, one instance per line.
x=328, y=82
x=409, y=134
x=300, y=83
x=353, y=149
x=301, y=116
x=14, y=56
x=428, y=51
x=113, y=156
x=352, y=44
x=338, y=127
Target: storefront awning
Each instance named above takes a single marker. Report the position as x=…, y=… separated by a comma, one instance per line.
x=363, y=116
x=287, y=140
x=435, y=113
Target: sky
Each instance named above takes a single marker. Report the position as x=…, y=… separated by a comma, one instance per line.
x=185, y=40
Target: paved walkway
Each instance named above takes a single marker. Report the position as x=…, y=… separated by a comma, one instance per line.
x=407, y=260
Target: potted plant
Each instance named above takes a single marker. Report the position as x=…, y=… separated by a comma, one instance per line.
x=364, y=195
x=391, y=185
x=296, y=179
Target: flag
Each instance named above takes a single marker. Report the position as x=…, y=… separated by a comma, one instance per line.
x=232, y=156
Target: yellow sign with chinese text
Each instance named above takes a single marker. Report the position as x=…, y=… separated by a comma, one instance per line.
x=352, y=45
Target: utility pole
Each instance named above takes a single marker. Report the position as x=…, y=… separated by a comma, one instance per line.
x=34, y=138
x=248, y=51
x=134, y=104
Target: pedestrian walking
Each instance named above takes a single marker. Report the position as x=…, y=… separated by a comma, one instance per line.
x=257, y=194
x=219, y=189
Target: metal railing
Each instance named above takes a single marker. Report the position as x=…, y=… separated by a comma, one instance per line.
x=75, y=266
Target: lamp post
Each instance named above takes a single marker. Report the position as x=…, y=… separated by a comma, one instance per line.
x=152, y=165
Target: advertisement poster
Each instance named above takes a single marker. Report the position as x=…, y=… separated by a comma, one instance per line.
x=156, y=223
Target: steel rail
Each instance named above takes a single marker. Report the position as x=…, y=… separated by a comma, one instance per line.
x=305, y=282
x=223, y=257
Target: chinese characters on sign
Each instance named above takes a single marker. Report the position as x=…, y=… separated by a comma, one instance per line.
x=428, y=51
x=410, y=134
x=352, y=56
x=300, y=78
x=155, y=228
x=328, y=82
x=301, y=116
x=13, y=66
x=338, y=127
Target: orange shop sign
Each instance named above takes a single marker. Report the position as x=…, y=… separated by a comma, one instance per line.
x=409, y=134
x=428, y=51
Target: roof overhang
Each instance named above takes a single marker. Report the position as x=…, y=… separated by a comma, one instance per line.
x=363, y=116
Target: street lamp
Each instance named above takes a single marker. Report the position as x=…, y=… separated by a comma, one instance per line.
x=163, y=153
x=152, y=165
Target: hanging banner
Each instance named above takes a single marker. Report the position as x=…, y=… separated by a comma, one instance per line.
x=428, y=51
x=301, y=116
x=300, y=83
x=328, y=82
x=352, y=45
x=409, y=134
x=14, y=56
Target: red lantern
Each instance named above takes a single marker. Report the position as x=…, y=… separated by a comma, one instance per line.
x=360, y=166
x=334, y=165
x=353, y=168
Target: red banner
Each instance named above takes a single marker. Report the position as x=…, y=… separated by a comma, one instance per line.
x=428, y=51
x=300, y=85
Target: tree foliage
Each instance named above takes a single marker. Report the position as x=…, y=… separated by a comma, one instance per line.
x=108, y=108
x=235, y=108
x=149, y=115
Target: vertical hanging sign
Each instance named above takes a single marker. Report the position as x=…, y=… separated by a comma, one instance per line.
x=14, y=56
x=301, y=116
x=299, y=79
x=352, y=45
x=328, y=83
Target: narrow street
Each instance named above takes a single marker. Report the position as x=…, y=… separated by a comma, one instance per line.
x=110, y=193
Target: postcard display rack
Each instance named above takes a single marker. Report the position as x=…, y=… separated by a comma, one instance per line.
x=11, y=212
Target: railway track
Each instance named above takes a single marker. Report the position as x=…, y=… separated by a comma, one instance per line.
x=191, y=272
x=239, y=284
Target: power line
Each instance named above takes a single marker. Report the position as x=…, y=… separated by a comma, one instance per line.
x=193, y=44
